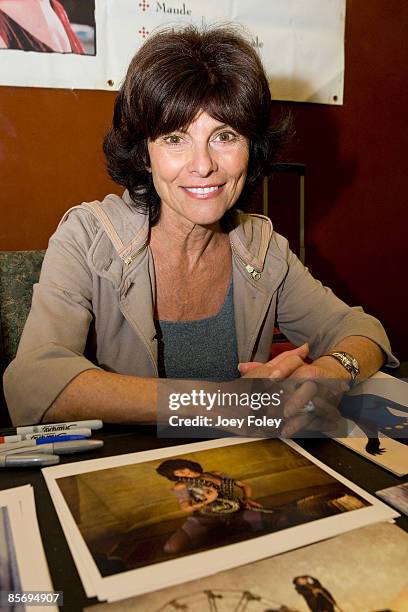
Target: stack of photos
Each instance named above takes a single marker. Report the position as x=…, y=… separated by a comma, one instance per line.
x=364, y=570
x=396, y=496
x=23, y=566
x=384, y=438
x=144, y=521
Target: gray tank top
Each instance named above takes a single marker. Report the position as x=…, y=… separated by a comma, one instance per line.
x=203, y=349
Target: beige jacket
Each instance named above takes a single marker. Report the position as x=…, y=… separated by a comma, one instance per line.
x=97, y=289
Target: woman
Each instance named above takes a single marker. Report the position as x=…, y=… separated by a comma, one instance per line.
x=37, y=25
x=316, y=596
x=214, y=501
x=171, y=279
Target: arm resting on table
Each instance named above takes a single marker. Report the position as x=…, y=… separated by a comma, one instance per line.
x=114, y=398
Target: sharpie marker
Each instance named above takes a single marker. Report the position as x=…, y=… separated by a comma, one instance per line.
x=8, y=439
x=32, y=443
x=27, y=461
x=52, y=427
x=77, y=431
x=57, y=448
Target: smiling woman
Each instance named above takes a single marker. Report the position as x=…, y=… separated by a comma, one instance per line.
x=173, y=280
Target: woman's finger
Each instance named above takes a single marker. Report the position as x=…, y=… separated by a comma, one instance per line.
x=301, y=351
x=277, y=372
x=318, y=414
x=299, y=398
x=247, y=366
x=260, y=371
x=296, y=424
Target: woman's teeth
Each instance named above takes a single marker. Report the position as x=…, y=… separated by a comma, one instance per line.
x=202, y=190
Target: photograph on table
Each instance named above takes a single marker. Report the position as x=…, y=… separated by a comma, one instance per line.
x=23, y=565
x=9, y=574
x=365, y=570
x=378, y=409
x=138, y=522
x=396, y=496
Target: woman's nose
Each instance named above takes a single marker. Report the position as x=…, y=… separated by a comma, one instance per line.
x=202, y=161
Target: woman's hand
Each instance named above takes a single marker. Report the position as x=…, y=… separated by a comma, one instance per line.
x=313, y=390
x=251, y=503
x=279, y=367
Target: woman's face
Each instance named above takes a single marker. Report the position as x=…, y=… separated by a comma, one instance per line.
x=185, y=473
x=199, y=173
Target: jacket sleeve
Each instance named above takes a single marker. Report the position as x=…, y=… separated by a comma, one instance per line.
x=51, y=349
x=309, y=312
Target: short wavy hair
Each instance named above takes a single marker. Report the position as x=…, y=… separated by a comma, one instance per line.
x=168, y=467
x=173, y=76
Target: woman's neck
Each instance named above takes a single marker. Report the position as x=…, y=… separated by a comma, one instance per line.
x=184, y=239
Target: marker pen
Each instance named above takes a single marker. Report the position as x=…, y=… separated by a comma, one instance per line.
x=27, y=461
x=8, y=439
x=58, y=439
x=77, y=431
x=57, y=448
x=4, y=448
x=51, y=427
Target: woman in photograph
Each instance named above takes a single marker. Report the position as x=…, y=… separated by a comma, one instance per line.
x=216, y=504
x=37, y=25
x=172, y=280
x=318, y=598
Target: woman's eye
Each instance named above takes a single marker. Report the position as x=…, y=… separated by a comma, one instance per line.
x=226, y=136
x=173, y=139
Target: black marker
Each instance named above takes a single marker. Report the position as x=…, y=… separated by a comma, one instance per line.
x=52, y=427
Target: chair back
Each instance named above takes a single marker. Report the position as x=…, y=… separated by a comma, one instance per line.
x=19, y=271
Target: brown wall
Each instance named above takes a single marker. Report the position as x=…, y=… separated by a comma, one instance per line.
x=50, y=159
x=356, y=159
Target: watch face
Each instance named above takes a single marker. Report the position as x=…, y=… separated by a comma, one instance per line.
x=349, y=362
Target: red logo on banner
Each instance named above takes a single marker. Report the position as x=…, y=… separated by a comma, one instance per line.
x=144, y=32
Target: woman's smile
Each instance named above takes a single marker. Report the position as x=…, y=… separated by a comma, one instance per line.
x=204, y=193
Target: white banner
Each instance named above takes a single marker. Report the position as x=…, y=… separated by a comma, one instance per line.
x=88, y=44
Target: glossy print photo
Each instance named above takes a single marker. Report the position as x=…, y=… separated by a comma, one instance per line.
x=142, y=521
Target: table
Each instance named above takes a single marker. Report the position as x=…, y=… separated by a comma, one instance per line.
x=126, y=439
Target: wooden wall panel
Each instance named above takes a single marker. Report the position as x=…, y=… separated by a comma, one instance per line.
x=50, y=159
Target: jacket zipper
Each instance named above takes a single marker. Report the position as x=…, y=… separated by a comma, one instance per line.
x=256, y=274
x=129, y=259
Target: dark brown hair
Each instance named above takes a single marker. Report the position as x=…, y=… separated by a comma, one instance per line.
x=174, y=75
x=168, y=467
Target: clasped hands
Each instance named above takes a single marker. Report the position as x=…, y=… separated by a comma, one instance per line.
x=313, y=390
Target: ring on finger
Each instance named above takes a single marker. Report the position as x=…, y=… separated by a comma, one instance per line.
x=309, y=407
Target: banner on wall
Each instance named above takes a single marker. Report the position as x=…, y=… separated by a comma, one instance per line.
x=88, y=44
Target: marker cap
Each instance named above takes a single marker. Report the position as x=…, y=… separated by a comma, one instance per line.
x=27, y=460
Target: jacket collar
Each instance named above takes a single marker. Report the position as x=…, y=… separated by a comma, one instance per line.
x=250, y=235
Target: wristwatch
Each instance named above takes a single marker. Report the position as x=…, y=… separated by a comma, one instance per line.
x=348, y=362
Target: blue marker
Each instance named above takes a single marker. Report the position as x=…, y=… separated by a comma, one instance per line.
x=62, y=438
x=31, y=444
